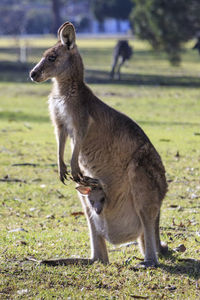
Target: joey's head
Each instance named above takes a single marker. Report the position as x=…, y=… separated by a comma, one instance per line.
x=96, y=197
x=61, y=60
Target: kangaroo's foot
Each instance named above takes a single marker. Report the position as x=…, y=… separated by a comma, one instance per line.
x=148, y=264
x=163, y=249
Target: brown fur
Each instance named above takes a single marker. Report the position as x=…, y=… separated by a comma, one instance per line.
x=106, y=145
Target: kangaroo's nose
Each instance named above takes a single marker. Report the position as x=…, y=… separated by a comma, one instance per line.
x=98, y=210
x=33, y=74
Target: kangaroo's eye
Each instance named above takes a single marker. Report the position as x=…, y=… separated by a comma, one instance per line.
x=51, y=58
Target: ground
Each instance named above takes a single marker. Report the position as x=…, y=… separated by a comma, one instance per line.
x=42, y=219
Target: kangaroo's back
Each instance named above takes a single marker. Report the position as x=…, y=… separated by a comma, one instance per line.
x=113, y=141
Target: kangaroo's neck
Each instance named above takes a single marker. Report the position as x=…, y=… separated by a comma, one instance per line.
x=67, y=87
x=69, y=83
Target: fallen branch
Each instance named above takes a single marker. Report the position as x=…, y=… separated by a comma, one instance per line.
x=138, y=297
x=25, y=164
x=192, y=260
x=5, y=179
x=32, y=165
x=33, y=259
x=61, y=262
x=78, y=213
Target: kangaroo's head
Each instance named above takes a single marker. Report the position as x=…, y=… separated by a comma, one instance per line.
x=61, y=60
x=96, y=196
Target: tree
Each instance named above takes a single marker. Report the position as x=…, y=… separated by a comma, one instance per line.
x=113, y=8
x=38, y=21
x=12, y=17
x=56, y=10
x=38, y=16
x=166, y=24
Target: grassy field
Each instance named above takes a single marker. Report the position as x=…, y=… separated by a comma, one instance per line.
x=40, y=217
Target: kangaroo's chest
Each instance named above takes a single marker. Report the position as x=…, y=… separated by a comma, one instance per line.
x=61, y=114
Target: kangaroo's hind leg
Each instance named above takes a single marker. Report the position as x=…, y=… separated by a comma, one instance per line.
x=122, y=60
x=141, y=244
x=162, y=248
x=147, y=205
x=114, y=64
x=148, y=238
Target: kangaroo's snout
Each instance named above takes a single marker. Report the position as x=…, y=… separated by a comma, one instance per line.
x=98, y=209
x=36, y=74
x=33, y=75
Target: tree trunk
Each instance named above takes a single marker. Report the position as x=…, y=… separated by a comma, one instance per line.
x=56, y=4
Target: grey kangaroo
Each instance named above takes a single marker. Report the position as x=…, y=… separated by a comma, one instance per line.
x=95, y=195
x=122, y=52
x=106, y=145
x=197, y=45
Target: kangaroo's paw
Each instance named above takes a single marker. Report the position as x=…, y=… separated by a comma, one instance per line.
x=63, y=173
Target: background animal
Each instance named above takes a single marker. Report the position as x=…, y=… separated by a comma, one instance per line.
x=197, y=45
x=122, y=52
x=106, y=145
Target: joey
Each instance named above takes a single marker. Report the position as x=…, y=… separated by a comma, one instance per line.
x=96, y=197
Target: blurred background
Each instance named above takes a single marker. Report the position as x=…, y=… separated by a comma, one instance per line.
x=28, y=27
x=166, y=25
x=44, y=17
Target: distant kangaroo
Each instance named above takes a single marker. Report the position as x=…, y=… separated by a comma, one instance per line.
x=106, y=145
x=197, y=45
x=122, y=52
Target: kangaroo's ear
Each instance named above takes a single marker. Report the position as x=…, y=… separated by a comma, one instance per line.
x=67, y=35
x=84, y=190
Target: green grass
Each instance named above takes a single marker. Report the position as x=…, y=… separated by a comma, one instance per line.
x=165, y=102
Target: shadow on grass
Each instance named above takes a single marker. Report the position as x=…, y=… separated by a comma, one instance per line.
x=184, y=266
x=187, y=266
x=102, y=77
x=19, y=72
x=190, y=268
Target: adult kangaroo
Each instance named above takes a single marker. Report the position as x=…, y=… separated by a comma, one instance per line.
x=106, y=145
x=122, y=52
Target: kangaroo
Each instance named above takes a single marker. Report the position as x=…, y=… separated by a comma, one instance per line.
x=197, y=45
x=95, y=196
x=122, y=52
x=106, y=145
